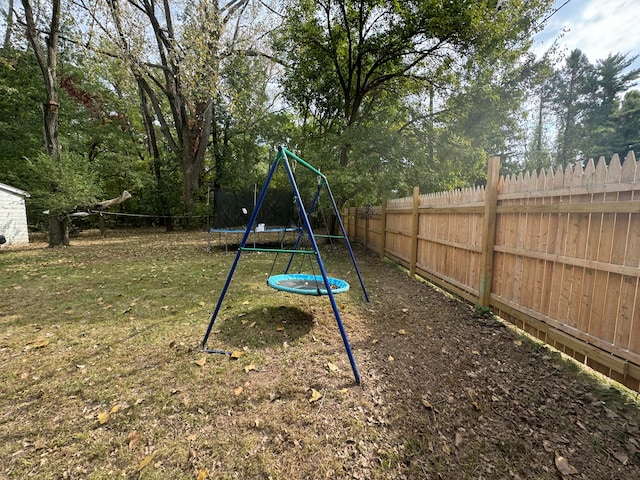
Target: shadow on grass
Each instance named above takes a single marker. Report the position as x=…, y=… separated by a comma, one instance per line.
x=262, y=327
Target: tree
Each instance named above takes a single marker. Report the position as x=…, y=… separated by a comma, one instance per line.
x=47, y=55
x=354, y=65
x=9, y=31
x=613, y=78
x=572, y=88
x=178, y=92
x=21, y=138
x=627, y=124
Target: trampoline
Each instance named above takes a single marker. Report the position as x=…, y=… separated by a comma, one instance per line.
x=226, y=232
x=306, y=284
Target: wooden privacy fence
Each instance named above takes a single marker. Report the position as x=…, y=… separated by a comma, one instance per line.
x=557, y=253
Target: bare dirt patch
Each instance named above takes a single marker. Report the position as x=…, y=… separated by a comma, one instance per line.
x=103, y=378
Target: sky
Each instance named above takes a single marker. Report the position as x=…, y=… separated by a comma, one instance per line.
x=597, y=27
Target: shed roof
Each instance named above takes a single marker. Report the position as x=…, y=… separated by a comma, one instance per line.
x=13, y=190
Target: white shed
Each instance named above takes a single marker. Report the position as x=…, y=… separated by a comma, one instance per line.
x=13, y=215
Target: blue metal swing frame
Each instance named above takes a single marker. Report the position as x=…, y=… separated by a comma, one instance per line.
x=331, y=285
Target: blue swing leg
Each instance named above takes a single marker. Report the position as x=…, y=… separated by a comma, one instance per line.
x=334, y=306
x=245, y=237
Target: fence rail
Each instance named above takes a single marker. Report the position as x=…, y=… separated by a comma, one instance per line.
x=555, y=252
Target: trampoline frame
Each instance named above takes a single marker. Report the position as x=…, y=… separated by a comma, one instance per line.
x=255, y=232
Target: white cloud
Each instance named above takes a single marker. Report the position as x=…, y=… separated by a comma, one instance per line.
x=596, y=27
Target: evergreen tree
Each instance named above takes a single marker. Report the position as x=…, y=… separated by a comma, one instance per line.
x=613, y=78
x=627, y=125
x=572, y=86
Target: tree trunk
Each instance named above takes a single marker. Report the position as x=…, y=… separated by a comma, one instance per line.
x=58, y=229
x=9, y=31
x=194, y=149
x=50, y=117
x=47, y=56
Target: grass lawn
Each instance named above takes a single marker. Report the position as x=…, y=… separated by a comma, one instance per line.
x=102, y=375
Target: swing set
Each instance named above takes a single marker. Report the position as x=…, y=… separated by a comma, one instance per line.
x=320, y=284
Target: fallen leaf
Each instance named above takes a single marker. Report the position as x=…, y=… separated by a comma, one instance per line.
x=280, y=328
x=475, y=352
x=402, y=331
x=249, y=368
x=563, y=466
x=202, y=304
x=252, y=324
x=391, y=359
x=236, y=354
x=315, y=395
x=114, y=409
x=621, y=457
x=517, y=343
x=244, y=322
x=458, y=441
x=246, y=302
x=146, y=461
x=201, y=361
x=103, y=417
x=427, y=404
x=343, y=391
x=203, y=474
x=134, y=438
x=265, y=311
x=238, y=390
x=446, y=449
x=405, y=310
x=547, y=445
x=39, y=343
x=332, y=367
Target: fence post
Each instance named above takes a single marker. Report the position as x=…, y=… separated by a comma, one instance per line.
x=383, y=228
x=414, y=232
x=355, y=223
x=489, y=231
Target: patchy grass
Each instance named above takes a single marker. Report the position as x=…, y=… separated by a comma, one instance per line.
x=102, y=375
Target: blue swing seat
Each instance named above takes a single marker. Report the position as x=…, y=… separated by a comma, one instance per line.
x=306, y=284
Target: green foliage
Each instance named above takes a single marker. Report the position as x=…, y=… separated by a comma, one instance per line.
x=603, y=131
x=587, y=105
x=385, y=105
x=20, y=118
x=60, y=186
x=627, y=121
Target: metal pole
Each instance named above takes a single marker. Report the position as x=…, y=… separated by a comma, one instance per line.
x=346, y=239
x=325, y=278
x=254, y=215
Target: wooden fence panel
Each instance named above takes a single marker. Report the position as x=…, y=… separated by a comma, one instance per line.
x=565, y=258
